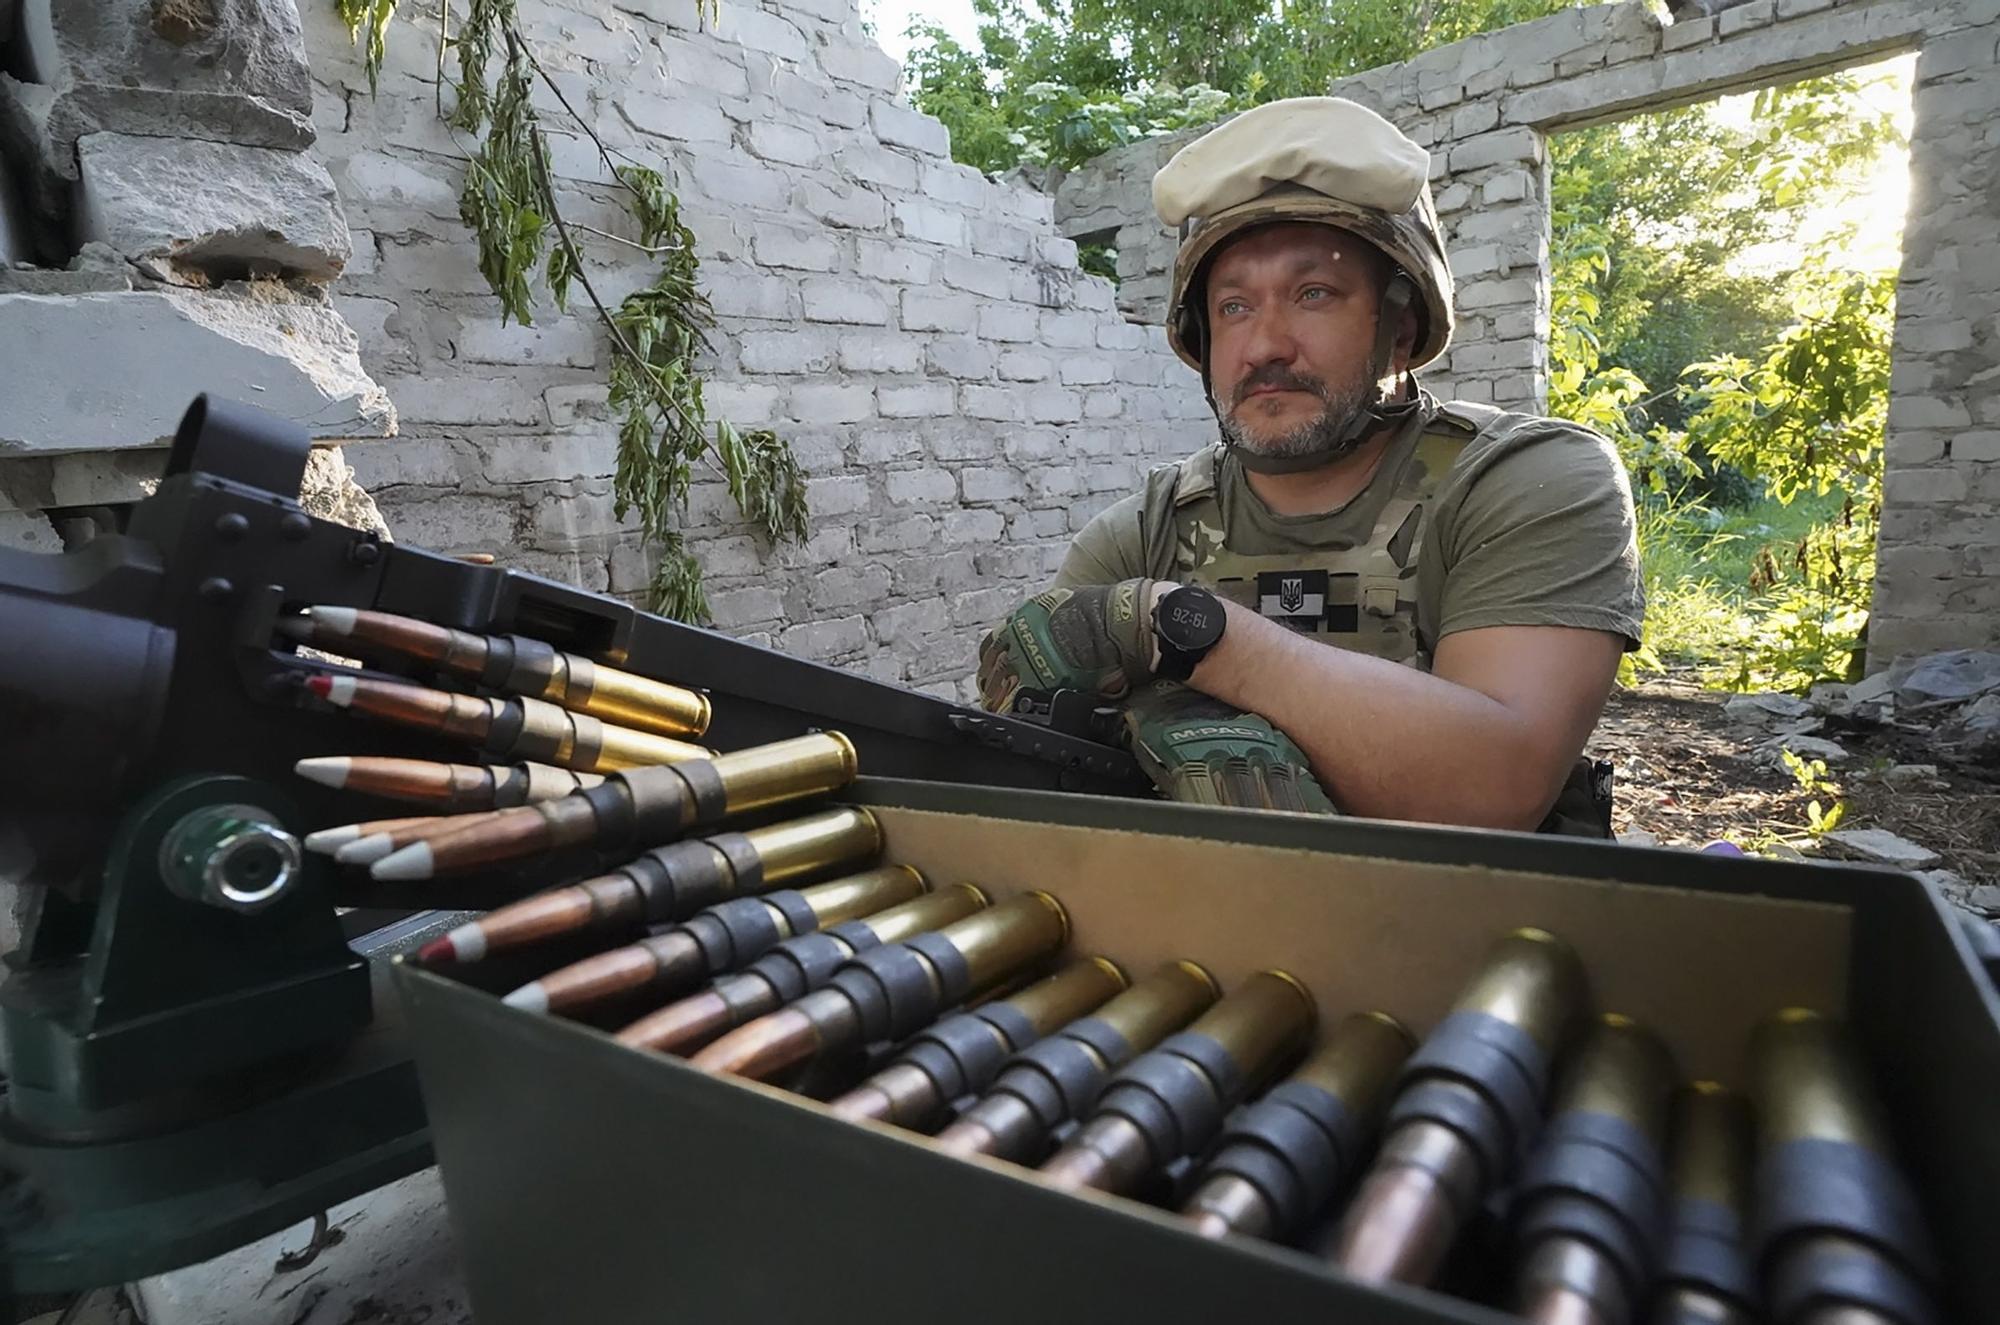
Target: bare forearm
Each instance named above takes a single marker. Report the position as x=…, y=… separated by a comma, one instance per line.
x=1386, y=740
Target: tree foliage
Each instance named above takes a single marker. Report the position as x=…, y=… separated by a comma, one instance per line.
x=510, y=203
x=1056, y=82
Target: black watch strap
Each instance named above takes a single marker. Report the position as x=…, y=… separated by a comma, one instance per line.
x=1187, y=624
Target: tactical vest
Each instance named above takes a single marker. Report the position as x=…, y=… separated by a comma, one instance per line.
x=1362, y=597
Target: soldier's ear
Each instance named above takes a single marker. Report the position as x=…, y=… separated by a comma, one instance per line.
x=1406, y=340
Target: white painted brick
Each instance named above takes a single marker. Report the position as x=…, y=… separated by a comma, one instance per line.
x=832, y=299
x=742, y=402
x=917, y=218
x=683, y=14
x=1510, y=186
x=735, y=608
x=832, y=402
x=880, y=352
x=987, y=485
x=825, y=641
x=741, y=182
x=1025, y=366
x=903, y=126
x=1063, y=330
x=836, y=496
x=848, y=586
x=962, y=527
x=1927, y=412
x=928, y=400
x=951, y=182
x=998, y=239
x=905, y=535
x=717, y=66
x=987, y=276
x=998, y=403
x=363, y=260
x=908, y=620
x=464, y=400
x=935, y=310
x=1085, y=372
x=1922, y=487
x=1054, y=405
x=1980, y=446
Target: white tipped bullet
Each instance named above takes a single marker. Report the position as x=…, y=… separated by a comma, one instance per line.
x=528, y=998
x=412, y=862
x=365, y=850
x=328, y=770
x=329, y=841
x=337, y=621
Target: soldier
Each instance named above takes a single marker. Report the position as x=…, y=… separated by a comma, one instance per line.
x=1474, y=569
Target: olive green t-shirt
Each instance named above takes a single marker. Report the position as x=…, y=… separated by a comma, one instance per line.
x=1531, y=526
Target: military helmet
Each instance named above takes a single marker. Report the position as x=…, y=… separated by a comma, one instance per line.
x=1318, y=159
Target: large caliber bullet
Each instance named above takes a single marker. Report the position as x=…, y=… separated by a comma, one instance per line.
x=374, y=845
x=1469, y=1103
x=890, y=993
x=1167, y=1105
x=962, y=1054
x=1704, y=1276
x=721, y=938
x=791, y=970
x=1059, y=1078
x=670, y=883
x=1839, y=1234
x=1282, y=1158
x=1590, y=1207
x=510, y=662
x=446, y=787
x=640, y=807
x=328, y=841
x=506, y=728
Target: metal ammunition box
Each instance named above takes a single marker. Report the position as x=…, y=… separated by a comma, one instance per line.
x=589, y=1182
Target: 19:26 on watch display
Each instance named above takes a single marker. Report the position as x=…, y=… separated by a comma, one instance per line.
x=1187, y=622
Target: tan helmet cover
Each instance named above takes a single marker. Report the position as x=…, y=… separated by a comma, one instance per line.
x=1320, y=159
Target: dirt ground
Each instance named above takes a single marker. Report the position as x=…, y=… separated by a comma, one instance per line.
x=1686, y=774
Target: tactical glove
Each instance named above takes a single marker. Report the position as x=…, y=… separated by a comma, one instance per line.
x=1096, y=638
x=1201, y=751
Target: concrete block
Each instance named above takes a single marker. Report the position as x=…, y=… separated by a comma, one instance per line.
x=785, y=143
x=1927, y=411
x=995, y=403
x=959, y=185
x=570, y=344
x=780, y=246
x=1085, y=371
x=917, y=218
x=832, y=299
x=190, y=211
x=571, y=405
x=837, y=496
x=907, y=621
x=1049, y=404
x=1743, y=17
x=861, y=62
x=962, y=527
x=927, y=400
x=826, y=640
x=892, y=260
x=958, y=356
x=991, y=485
x=987, y=276
x=1025, y=366
x=1980, y=446
x=760, y=30
x=921, y=487
x=785, y=351
x=1498, y=148
x=292, y=356
x=1474, y=118
x=741, y=182
x=229, y=70
x=717, y=66
x=465, y=400
x=936, y=310
x=880, y=352
x=1068, y=330
x=848, y=587
x=850, y=207
x=558, y=458
x=377, y=180
x=1922, y=487
x=875, y=164
x=693, y=119
x=832, y=402
x=909, y=534
x=903, y=126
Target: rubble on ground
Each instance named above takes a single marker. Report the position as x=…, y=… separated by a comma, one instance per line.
x=1951, y=700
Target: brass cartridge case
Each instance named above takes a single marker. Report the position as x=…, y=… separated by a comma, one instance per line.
x=628, y=699
x=800, y=846
x=1001, y=940
x=785, y=770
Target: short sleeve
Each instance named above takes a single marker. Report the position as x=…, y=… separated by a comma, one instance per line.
x=1108, y=549
x=1540, y=533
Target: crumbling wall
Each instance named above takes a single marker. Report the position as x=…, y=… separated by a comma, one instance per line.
x=164, y=230
x=1485, y=106
x=960, y=396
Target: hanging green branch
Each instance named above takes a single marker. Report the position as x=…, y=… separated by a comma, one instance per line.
x=509, y=202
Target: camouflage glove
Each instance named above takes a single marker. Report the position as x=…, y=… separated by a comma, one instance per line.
x=1201, y=751
x=1097, y=638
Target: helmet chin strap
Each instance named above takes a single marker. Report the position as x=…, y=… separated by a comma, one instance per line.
x=1378, y=412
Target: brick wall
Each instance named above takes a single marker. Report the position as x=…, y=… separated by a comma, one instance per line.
x=1485, y=105
x=962, y=398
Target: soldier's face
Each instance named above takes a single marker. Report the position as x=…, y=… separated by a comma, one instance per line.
x=1291, y=327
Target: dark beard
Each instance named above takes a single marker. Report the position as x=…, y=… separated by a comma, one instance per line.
x=1331, y=435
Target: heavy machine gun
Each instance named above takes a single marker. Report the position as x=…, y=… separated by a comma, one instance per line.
x=195, y=1053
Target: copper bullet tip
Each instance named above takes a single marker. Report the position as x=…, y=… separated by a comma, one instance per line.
x=681, y=1026
x=763, y=1048
x=1209, y=1224
x=869, y=1102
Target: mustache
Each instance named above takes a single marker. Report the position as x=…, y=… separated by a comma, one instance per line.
x=1277, y=375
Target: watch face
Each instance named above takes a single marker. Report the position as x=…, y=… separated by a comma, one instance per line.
x=1191, y=618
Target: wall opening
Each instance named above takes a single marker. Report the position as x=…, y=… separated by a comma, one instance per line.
x=1722, y=295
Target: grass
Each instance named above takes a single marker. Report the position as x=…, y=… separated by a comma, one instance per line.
x=1702, y=613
